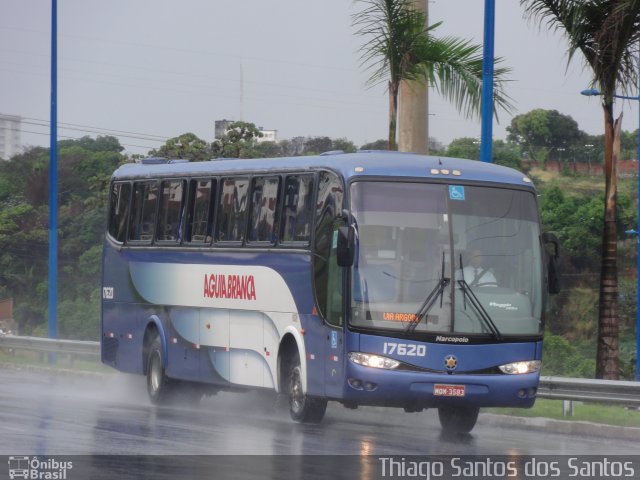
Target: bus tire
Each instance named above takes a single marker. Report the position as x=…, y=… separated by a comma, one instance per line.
x=302, y=407
x=458, y=419
x=158, y=384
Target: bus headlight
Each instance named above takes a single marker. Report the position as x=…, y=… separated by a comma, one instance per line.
x=517, y=368
x=374, y=361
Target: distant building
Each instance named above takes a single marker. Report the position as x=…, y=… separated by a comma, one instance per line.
x=267, y=136
x=10, y=141
x=435, y=145
x=221, y=127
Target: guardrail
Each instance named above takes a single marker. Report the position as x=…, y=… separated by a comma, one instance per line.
x=568, y=390
x=71, y=348
x=558, y=388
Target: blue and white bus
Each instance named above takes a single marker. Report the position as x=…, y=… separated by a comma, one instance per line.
x=374, y=278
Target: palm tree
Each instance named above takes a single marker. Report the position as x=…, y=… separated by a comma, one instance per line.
x=606, y=32
x=398, y=46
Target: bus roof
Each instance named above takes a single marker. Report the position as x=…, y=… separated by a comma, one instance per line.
x=364, y=163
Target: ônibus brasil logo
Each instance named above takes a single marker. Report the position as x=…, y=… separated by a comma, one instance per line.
x=38, y=468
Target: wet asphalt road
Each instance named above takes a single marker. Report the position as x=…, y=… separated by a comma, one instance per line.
x=45, y=413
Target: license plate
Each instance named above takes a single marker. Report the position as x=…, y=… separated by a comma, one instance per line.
x=448, y=390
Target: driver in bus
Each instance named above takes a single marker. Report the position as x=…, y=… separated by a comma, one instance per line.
x=476, y=274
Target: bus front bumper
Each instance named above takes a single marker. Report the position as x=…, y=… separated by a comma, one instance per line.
x=373, y=386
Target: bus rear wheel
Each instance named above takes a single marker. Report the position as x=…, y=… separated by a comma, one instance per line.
x=302, y=407
x=458, y=419
x=158, y=384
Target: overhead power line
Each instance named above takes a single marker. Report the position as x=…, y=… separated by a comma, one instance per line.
x=75, y=138
x=93, y=129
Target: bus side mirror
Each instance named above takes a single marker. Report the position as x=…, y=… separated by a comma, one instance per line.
x=346, y=246
x=553, y=281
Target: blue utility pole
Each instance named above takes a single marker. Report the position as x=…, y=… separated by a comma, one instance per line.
x=486, y=136
x=53, y=182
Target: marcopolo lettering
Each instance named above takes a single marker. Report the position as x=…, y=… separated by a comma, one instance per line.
x=230, y=287
x=440, y=338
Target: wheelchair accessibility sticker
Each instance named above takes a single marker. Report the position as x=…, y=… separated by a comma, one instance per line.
x=456, y=192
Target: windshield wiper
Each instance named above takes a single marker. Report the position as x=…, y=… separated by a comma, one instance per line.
x=475, y=302
x=438, y=290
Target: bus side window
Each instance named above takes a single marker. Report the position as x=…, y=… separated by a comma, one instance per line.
x=232, y=210
x=298, y=209
x=328, y=276
x=200, y=210
x=120, y=200
x=143, y=211
x=264, y=210
x=170, y=210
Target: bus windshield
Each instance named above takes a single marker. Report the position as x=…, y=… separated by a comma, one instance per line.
x=446, y=259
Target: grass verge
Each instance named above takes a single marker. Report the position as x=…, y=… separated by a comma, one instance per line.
x=587, y=412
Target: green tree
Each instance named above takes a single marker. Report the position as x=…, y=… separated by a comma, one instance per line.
x=606, y=33
x=544, y=133
x=105, y=143
x=237, y=142
x=464, y=147
x=317, y=145
x=562, y=358
x=507, y=154
x=578, y=221
x=347, y=146
x=504, y=153
x=381, y=144
x=591, y=151
x=85, y=166
x=397, y=46
x=267, y=150
x=293, y=147
x=628, y=145
x=186, y=146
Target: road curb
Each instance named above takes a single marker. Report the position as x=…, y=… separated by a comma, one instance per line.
x=565, y=427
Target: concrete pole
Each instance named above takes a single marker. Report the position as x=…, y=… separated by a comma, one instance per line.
x=413, y=113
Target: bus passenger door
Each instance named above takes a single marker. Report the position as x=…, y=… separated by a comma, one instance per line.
x=334, y=317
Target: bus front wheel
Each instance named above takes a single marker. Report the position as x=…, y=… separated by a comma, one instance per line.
x=302, y=407
x=458, y=419
x=158, y=384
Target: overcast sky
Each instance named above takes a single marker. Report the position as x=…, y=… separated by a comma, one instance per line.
x=165, y=67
